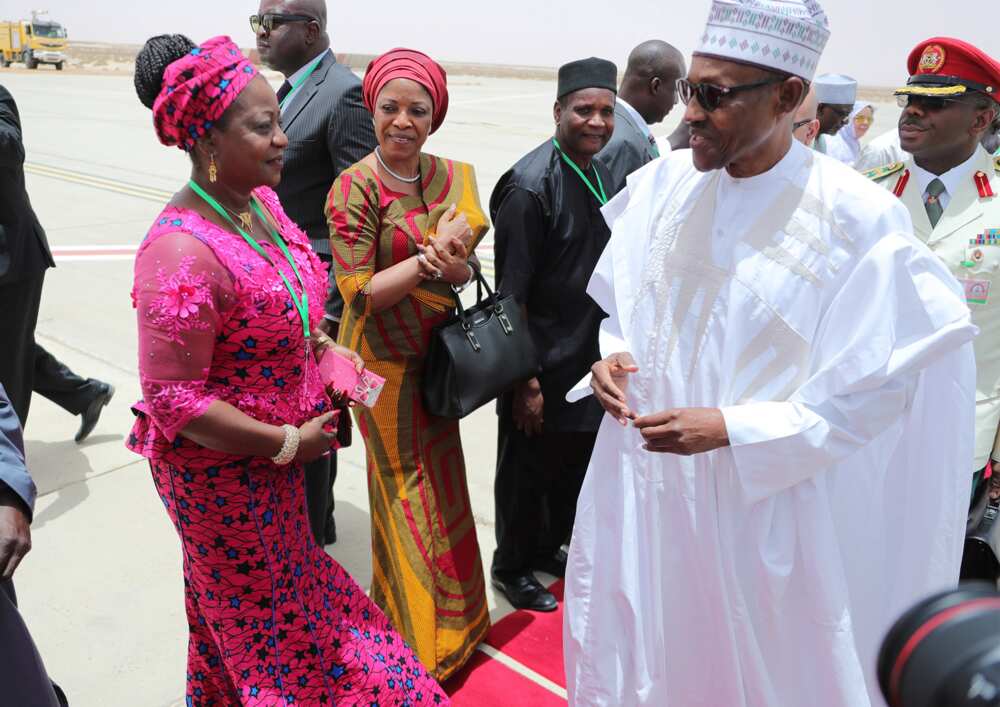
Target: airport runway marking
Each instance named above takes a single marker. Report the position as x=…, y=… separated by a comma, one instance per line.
x=92, y=180
x=522, y=670
x=105, y=253
x=160, y=196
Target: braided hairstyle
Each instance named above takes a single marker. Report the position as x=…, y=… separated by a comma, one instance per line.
x=156, y=55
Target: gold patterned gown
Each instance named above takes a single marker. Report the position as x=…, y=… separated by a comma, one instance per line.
x=428, y=576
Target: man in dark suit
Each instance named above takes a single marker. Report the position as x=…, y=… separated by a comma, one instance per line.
x=24, y=258
x=645, y=97
x=328, y=129
x=23, y=680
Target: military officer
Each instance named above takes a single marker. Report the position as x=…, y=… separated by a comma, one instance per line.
x=951, y=186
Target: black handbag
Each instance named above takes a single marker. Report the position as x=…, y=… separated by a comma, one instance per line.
x=344, y=427
x=477, y=354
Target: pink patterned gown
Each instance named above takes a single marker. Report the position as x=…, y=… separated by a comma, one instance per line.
x=273, y=619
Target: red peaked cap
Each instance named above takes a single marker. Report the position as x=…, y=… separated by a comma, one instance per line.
x=942, y=62
x=408, y=64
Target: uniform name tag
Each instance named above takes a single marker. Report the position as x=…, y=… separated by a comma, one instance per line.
x=976, y=291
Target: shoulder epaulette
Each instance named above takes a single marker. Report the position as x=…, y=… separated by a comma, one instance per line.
x=884, y=171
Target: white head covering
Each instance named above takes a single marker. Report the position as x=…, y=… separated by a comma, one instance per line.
x=784, y=35
x=836, y=88
x=846, y=145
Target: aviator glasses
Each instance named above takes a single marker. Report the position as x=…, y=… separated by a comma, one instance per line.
x=710, y=96
x=928, y=103
x=269, y=20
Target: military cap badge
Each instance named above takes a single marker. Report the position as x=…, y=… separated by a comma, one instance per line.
x=932, y=59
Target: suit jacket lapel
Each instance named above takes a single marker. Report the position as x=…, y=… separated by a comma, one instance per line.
x=640, y=136
x=965, y=205
x=308, y=91
x=913, y=201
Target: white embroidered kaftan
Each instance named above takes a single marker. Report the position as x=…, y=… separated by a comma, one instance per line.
x=838, y=348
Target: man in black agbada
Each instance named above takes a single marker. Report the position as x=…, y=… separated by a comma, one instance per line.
x=549, y=236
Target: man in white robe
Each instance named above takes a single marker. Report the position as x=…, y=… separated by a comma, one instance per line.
x=790, y=385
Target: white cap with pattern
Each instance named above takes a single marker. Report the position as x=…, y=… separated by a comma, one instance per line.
x=784, y=35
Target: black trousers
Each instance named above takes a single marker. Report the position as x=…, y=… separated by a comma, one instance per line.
x=320, y=477
x=322, y=473
x=26, y=367
x=18, y=315
x=55, y=381
x=23, y=680
x=537, y=484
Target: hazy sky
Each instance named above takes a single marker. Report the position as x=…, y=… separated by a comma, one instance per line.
x=871, y=38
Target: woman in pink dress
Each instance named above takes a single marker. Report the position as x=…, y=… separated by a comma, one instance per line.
x=228, y=293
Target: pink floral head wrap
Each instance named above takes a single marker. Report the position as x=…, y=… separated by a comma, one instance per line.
x=197, y=90
x=413, y=65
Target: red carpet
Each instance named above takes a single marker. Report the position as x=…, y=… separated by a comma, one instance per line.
x=532, y=639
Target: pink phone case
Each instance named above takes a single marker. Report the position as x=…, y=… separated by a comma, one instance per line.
x=339, y=373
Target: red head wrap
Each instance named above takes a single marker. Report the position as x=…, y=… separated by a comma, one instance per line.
x=197, y=90
x=413, y=65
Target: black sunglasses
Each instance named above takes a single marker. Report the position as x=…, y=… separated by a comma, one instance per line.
x=710, y=96
x=799, y=124
x=269, y=20
x=930, y=103
x=842, y=113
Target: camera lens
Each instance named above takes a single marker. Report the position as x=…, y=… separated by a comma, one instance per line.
x=945, y=651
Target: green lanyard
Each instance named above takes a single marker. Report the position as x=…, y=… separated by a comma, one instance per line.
x=601, y=197
x=301, y=304
x=302, y=79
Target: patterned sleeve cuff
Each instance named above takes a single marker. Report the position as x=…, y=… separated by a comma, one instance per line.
x=173, y=405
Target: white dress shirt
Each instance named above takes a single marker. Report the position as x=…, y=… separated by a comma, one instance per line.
x=951, y=179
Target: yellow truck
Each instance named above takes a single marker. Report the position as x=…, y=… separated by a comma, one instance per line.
x=33, y=42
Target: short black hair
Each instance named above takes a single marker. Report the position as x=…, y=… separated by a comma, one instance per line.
x=980, y=101
x=654, y=58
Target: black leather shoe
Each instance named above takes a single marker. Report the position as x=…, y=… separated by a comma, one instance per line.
x=330, y=531
x=92, y=414
x=523, y=591
x=554, y=565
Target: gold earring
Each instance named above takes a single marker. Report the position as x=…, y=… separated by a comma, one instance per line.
x=213, y=171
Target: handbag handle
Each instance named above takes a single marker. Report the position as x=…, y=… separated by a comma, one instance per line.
x=481, y=283
x=495, y=305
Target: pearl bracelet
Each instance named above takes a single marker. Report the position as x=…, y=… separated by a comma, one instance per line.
x=289, y=448
x=458, y=289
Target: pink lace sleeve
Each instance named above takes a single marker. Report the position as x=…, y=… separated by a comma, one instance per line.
x=179, y=293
